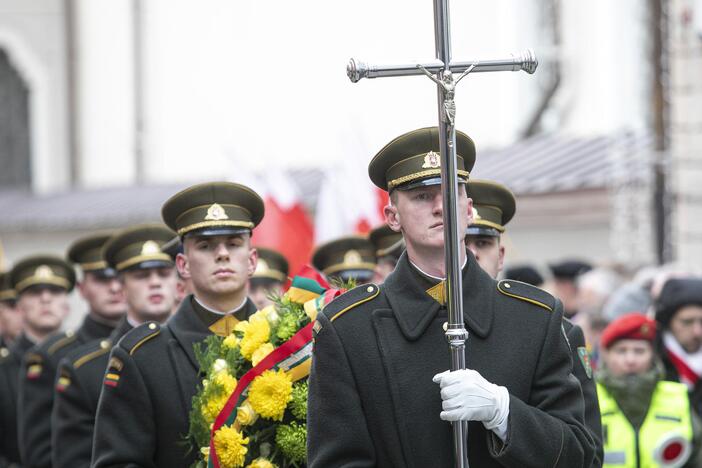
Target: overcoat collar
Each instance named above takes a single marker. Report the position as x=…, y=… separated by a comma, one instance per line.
x=188, y=328
x=91, y=329
x=414, y=309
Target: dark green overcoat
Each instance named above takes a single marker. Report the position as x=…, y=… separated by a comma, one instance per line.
x=372, y=401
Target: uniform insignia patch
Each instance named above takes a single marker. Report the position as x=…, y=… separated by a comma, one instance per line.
x=34, y=371
x=585, y=360
x=62, y=383
x=111, y=379
x=115, y=363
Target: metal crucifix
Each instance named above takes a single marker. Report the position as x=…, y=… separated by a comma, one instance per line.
x=441, y=71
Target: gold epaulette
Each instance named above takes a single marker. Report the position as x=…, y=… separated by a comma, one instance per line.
x=68, y=337
x=103, y=347
x=527, y=293
x=139, y=335
x=349, y=300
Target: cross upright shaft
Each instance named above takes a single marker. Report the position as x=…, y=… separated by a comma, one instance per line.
x=440, y=71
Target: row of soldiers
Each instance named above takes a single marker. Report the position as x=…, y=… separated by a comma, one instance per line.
x=118, y=390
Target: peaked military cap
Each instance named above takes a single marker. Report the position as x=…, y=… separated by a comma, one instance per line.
x=7, y=292
x=493, y=207
x=86, y=252
x=387, y=243
x=45, y=270
x=173, y=247
x=412, y=160
x=347, y=257
x=138, y=247
x=271, y=265
x=212, y=209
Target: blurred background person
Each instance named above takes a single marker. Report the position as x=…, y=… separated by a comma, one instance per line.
x=350, y=258
x=565, y=275
x=526, y=274
x=269, y=278
x=388, y=245
x=10, y=316
x=646, y=421
x=679, y=315
x=185, y=285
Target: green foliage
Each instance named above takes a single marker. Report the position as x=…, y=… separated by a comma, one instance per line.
x=292, y=440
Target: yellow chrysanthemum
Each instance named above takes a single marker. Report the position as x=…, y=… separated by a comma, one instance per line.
x=257, y=332
x=260, y=463
x=231, y=341
x=271, y=314
x=245, y=414
x=214, y=405
x=270, y=393
x=262, y=351
x=231, y=447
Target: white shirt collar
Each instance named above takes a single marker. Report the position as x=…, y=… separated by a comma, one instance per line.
x=437, y=278
x=209, y=309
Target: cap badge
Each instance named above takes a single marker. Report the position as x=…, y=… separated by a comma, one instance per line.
x=150, y=247
x=432, y=160
x=644, y=329
x=43, y=272
x=352, y=257
x=216, y=213
x=476, y=215
x=262, y=266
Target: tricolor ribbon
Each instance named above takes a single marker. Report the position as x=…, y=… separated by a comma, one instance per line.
x=294, y=356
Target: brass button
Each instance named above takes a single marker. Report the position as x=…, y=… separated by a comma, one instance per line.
x=152, y=326
x=369, y=289
x=104, y=344
x=69, y=333
x=445, y=326
x=4, y=352
x=507, y=285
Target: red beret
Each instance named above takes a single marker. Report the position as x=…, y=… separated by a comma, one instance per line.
x=633, y=326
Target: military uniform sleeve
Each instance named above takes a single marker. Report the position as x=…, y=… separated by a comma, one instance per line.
x=72, y=420
x=337, y=433
x=549, y=430
x=124, y=425
x=34, y=400
x=582, y=370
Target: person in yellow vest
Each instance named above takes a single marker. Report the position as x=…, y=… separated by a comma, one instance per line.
x=646, y=422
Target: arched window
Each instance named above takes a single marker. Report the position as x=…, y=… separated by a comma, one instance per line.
x=14, y=127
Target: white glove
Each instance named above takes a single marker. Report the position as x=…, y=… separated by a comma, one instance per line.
x=467, y=396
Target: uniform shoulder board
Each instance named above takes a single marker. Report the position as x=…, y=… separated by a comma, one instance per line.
x=527, y=293
x=349, y=300
x=60, y=341
x=133, y=340
x=94, y=351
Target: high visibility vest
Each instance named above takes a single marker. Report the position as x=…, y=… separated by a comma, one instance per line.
x=664, y=439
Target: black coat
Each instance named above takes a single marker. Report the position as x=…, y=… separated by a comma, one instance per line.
x=142, y=417
x=372, y=401
x=79, y=381
x=671, y=374
x=36, y=391
x=576, y=338
x=9, y=373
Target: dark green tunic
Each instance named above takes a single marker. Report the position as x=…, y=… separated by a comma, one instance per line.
x=9, y=374
x=372, y=401
x=76, y=399
x=142, y=417
x=36, y=390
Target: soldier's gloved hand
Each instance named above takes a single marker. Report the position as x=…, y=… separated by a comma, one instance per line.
x=467, y=396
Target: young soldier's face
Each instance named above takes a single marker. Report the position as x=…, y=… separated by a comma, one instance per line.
x=217, y=265
x=686, y=327
x=103, y=294
x=488, y=251
x=418, y=213
x=151, y=293
x=629, y=357
x=10, y=319
x=44, y=308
